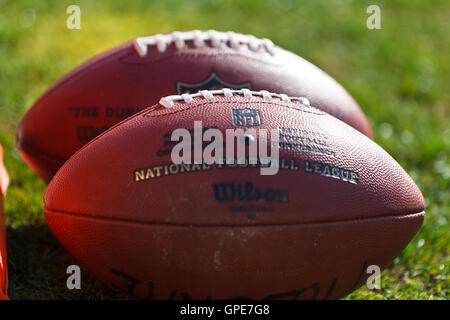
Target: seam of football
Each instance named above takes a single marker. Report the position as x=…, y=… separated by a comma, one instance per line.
x=199, y=37
x=313, y=110
x=48, y=210
x=201, y=55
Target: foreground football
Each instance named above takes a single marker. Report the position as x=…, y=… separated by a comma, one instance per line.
x=135, y=75
x=152, y=228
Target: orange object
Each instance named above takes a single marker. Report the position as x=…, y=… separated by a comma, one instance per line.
x=4, y=181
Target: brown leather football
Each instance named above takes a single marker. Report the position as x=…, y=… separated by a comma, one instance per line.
x=4, y=181
x=152, y=228
x=118, y=83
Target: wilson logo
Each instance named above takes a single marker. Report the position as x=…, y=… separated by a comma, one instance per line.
x=229, y=192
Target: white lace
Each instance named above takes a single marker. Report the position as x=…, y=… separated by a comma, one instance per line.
x=168, y=101
x=216, y=38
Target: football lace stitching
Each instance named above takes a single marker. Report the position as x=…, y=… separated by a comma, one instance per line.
x=198, y=38
x=169, y=101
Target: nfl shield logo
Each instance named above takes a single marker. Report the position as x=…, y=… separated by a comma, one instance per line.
x=212, y=82
x=246, y=117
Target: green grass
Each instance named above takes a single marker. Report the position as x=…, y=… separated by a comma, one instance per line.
x=399, y=75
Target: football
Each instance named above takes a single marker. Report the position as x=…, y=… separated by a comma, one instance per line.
x=124, y=80
x=152, y=227
x=4, y=181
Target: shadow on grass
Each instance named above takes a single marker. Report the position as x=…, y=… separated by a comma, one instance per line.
x=37, y=268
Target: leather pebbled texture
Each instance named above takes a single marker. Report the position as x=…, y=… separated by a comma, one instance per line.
x=231, y=232
x=108, y=88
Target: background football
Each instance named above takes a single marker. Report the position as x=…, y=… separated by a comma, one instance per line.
x=153, y=229
x=135, y=75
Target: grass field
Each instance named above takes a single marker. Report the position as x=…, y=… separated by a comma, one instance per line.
x=399, y=75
